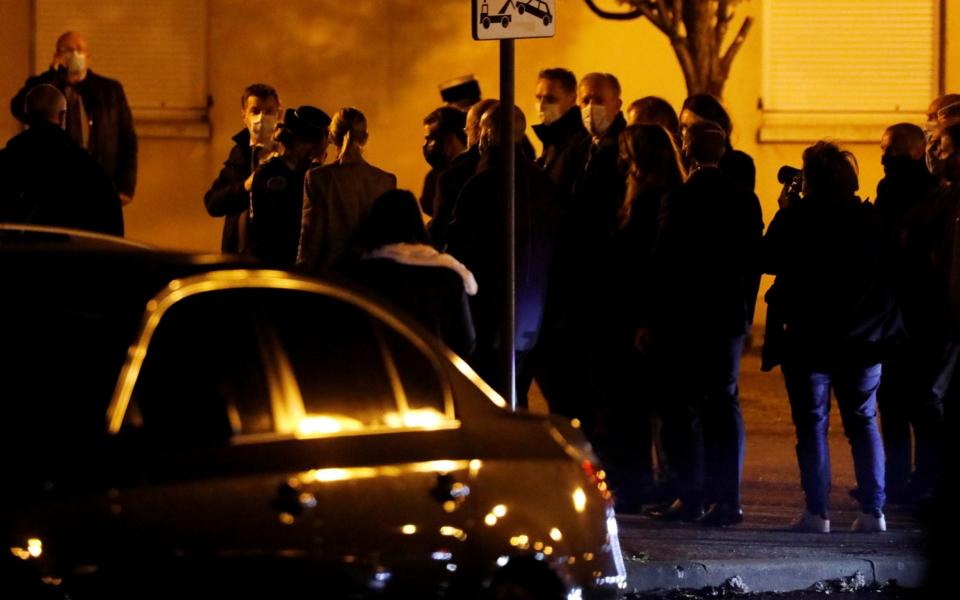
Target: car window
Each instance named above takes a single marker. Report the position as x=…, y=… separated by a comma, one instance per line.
x=254, y=362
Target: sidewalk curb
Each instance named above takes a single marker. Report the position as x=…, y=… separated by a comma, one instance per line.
x=772, y=575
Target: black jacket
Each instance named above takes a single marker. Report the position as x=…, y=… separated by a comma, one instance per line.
x=227, y=197
x=565, y=144
x=273, y=232
x=449, y=184
x=831, y=296
x=476, y=239
x=705, y=259
x=113, y=141
x=47, y=179
x=739, y=166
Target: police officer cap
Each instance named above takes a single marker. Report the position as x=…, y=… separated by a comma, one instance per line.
x=307, y=122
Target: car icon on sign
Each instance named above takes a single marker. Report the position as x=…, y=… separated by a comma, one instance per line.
x=537, y=8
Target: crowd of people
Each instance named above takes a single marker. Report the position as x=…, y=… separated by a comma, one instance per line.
x=640, y=245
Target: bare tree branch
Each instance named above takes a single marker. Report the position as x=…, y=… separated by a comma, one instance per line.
x=616, y=16
x=696, y=30
x=727, y=61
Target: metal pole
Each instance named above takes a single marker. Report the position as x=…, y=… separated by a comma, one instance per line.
x=507, y=147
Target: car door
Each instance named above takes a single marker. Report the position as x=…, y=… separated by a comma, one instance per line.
x=268, y=419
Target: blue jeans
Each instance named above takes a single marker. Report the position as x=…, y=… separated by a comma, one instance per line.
x=856, y=393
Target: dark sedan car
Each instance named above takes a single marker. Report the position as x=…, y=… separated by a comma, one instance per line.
x=270, y=435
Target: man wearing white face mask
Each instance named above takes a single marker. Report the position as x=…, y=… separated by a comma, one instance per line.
x=560, y=129
x=229, y=196
x=98, y=116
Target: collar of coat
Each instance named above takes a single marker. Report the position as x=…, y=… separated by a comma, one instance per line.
x=422, y=255
x=567, y=126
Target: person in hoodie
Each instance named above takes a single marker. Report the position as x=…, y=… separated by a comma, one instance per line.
x=906, y=374
x=229, y=195
x=397, y=263
x=48, y=179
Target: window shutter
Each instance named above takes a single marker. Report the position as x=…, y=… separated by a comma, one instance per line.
x=850, y=55
x=157, y=50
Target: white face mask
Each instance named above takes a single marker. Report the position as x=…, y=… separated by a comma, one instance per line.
x=549, y=112
x=261, y=128
x=76, y=63
x=596, y=119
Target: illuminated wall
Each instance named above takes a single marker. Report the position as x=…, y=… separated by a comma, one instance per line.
x=387, y=57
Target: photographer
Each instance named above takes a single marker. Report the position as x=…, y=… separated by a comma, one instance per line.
x=837, y=320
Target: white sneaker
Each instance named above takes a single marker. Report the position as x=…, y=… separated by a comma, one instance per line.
x=811, y=523
x=867, y=523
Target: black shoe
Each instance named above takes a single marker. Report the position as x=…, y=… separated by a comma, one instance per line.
x=688, y=512
x=722, y=514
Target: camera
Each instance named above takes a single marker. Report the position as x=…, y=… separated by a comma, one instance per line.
x=788, y=174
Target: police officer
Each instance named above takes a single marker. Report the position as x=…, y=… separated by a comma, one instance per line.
x=276, y=197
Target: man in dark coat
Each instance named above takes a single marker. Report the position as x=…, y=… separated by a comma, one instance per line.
x=571, y=360
x=907, y=374
x=48, y=179
x=565, y=139
x=451, y=181
x=98, y=116
x=706, y=273
x=476, y=241
x=229, y=196
x=444, y=139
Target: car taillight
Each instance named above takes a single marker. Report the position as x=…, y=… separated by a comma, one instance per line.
x=598, y=478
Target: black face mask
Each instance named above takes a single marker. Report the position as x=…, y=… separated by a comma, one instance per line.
x=435, y=157
x=899, y=165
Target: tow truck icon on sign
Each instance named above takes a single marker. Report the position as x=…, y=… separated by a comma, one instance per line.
x=502, y=17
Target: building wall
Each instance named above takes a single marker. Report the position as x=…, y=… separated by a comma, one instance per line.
x=386, y=58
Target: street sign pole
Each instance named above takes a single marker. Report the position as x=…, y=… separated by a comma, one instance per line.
x=508, y=150
x=514, y=19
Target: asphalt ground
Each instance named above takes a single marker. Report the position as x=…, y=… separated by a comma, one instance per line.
x=760, y=551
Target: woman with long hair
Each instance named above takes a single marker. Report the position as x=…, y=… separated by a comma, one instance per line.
x=653, y=169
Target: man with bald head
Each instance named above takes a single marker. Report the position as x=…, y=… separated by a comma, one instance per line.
x=47, y=179
x=98, y=116
x=476, y=238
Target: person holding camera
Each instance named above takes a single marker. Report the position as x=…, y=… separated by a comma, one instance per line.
x=98, y=116
x=836, y=320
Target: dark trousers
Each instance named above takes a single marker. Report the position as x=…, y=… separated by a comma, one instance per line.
x=856, y=393
x=915, y=383
x=703, y=432
x=624, y=429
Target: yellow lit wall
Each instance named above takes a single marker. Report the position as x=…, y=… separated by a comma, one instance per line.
x=387, y=57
